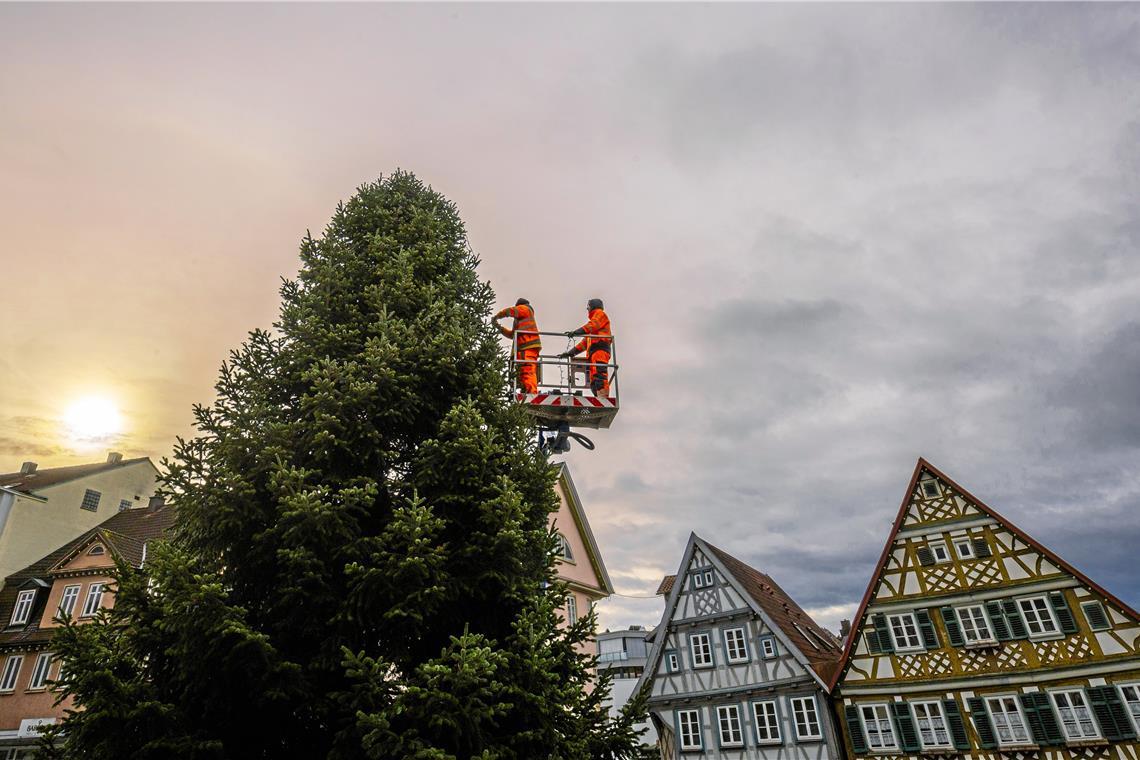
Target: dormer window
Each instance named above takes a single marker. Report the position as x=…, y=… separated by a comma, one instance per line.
x=96, y=550
x=23, y=607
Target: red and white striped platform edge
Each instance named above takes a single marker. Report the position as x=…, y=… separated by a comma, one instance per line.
x=566, y=401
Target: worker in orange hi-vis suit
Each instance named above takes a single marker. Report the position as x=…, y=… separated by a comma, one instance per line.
x=596, y=345
x=527, y=346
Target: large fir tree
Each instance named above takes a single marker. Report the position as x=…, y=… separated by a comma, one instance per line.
x=362, y=566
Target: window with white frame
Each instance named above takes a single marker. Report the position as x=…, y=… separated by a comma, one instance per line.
x=564, y=549
x=94, y=599
x=689, y=726
x=90, y=500
x=768, y=646
x=975, y=626
x=904, y=631
x=701, y=649
x=728, y=720
x=672, y=662
x=1008, y=721
x=930, y=489
x=806, y=717
x=1037, y=615
x=939, y=550
x=767, y=724
x=964, y=547
x=698, y=580
x=735, y=648
x=11, y=672
x=23, y=607
x=1130, y=693
x=67, y=601
x=40, y=671
x=931, y=724
x=877, y=726
x=1076, y=718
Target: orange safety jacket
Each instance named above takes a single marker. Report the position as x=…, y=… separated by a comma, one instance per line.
x=598, y=325
x=525, y=326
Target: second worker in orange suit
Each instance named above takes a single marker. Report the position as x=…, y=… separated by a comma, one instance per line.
x=596, y=344
x=528, y=345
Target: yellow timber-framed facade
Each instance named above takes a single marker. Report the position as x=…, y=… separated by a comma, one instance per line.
x=974, y=640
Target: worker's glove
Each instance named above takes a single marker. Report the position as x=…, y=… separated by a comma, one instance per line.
x=565, y=354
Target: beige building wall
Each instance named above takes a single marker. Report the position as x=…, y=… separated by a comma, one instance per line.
x=37, y=526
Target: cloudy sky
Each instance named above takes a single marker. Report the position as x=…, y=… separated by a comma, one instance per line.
x=832, y=238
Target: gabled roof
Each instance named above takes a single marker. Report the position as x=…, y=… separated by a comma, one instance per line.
x=583, y=526
x=814, y=646
x=125, y=533
x=30, y=482
x=925, y=466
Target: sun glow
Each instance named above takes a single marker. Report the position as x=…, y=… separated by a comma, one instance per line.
x=93, y=418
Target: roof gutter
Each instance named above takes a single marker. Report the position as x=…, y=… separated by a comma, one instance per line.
x=23, y=494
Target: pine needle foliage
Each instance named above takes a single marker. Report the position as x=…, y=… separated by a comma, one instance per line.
x=362, y=566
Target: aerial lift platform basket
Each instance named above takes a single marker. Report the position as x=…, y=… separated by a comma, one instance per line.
x=565, y=399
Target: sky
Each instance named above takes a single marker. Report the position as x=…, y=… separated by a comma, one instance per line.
x=831, y=238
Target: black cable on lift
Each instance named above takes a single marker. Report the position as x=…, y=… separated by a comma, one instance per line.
x=586, y=443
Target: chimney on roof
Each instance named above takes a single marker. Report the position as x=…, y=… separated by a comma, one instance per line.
x=844, y=628
x=114, y=457
x=27, y=468
x=156, y=503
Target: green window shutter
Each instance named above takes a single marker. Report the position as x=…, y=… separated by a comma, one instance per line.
x=1097, y=617
x=982, y=549
x=880, y=622
x=904, y=723
x=956, y=723
x=997, y=621
x=1013, y=618
x=982, y=725
x=1042, y=721
x=1110, y=713
x=855, y=730
x=873, y=644
x=953, y=630
x=1064, y=615
x=925, y=556
x=926, y=628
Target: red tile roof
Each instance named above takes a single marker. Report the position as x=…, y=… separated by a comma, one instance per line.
x=30, y=482
x=666, y=585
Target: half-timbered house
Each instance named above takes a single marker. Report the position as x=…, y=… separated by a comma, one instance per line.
x=973, y=639
x=738, y=670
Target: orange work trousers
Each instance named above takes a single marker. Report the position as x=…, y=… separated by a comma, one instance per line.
x=528, y=373
x=600, y=372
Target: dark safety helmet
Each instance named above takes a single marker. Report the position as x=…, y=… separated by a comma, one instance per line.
x=594, y=303
x=522, y=302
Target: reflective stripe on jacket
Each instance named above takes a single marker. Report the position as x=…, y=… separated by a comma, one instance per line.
x=599, y=325
x=526, y=328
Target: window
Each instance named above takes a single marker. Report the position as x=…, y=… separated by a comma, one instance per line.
x=767, y=724
x=931, y=724
x=975, y=628
x=703, y=579
x=768, y=647
x=94, y=599
x=11, y=672
x=1097, y=617
x=1008, y=721
x=930, y=489
x=672, y=662
x=67, y=601
x=701, y=649
x=96, y=550
x=564, y=549
x=940, y=552
x=806, y=717
x=689, y=728
x=1131, y=696
x=904, y=631
x=964, y=547
x=23, y=607
x=1038, y=617
x=877, y=724
x=40, y=671
x=735, y=648
x=728, y=719
x=1076, y=718
x=91, y=500
x=124, y=505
